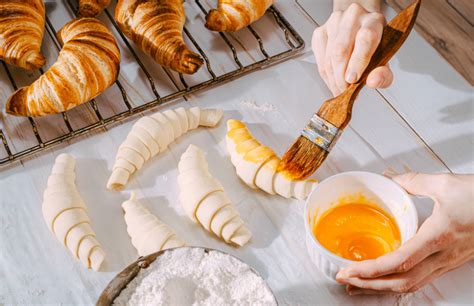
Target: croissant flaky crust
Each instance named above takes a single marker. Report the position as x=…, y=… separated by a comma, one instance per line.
x=233, y=15
x=21, y=33
x=156, y=27
x=65, y=214
x=205, y=201
x=257, y=164
x=91, y=8
x=87, y=65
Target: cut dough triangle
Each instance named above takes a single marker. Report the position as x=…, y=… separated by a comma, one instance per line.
x=147, y=232
x=257, y=164
x=151, y=135
x=205, y=201
x=65, y=214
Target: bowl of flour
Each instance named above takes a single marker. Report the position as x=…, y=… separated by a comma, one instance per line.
x=188, y=276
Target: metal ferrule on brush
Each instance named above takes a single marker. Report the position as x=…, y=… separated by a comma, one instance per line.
x=321, y=132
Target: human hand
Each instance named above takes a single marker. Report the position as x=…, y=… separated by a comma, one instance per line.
x=443, y=242
x=344, y=45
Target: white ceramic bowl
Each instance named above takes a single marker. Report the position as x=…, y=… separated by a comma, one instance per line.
x=376, y=188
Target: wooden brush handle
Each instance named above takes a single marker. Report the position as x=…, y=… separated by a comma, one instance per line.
x=338, y=110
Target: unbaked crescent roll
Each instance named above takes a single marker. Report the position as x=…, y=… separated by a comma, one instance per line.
x=256, y=164
x=233, y=15
x=87, y=65
x=147, y=232
x=152, y=134
x=65, y=214
x=21, y=33
x=204, y=200
x=156, y=27
x=91, y=8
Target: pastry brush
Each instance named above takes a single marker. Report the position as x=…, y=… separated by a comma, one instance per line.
x=320, y=135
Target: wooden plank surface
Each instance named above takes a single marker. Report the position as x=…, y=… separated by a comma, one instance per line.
x=465, y=8
x=427, y=92
x=276, y=102
x=448, y=26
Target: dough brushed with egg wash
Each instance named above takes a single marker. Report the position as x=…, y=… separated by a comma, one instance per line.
x=233, y=15
x=256, y=164
x=151, y=135
x=205, y=202
x=147, y=232
x=65, y=214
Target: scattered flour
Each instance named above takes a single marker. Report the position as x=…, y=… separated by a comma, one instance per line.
x=191, y=276
x=264, y=107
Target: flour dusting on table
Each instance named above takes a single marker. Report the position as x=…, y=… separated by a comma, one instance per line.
x=261, y=107
x=190, y=276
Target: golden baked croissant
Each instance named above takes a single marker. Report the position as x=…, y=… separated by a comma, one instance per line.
x=87, y=65
x=91, y=8
x=233, y=15
x=21, y=32
x=156, y=27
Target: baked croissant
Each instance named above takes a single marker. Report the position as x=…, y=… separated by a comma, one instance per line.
x=233, y=15
x=205, y=201
x=151, y=135
x=21, y=33
x=256, y=164
x=147, y=232
x=91, y=8
x=156, y=27
x=87, y=65
x=65, y=214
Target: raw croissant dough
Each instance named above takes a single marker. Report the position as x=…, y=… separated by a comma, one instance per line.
x=205, y=201
x=152, y=134
x=256, y=164
x=65, y=214
x=147, y=232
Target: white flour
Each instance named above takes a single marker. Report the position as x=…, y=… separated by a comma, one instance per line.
x=263, y=107
x=190, y=276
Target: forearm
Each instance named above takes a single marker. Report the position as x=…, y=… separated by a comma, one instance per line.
x=369, y=5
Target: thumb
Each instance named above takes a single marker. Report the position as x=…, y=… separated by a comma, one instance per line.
x=421, y=184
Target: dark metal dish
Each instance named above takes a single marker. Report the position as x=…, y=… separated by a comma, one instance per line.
x=119, y=282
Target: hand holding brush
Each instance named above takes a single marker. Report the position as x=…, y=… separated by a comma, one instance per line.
x=310, y=150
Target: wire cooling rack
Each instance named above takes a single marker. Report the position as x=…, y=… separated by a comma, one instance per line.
x=142, y=84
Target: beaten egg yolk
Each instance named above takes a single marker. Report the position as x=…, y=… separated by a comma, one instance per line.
x=357, y=231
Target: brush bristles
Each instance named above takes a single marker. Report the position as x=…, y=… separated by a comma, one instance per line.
x=302, y=159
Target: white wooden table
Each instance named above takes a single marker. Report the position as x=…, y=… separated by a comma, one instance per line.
x=424, y=122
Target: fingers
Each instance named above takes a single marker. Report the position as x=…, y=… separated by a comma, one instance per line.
x=344, y=45
x=380, y=77
x=366, y=42
x=319, y=44
x=425, y=243
x=420, y=183
x=344, y=42
x=352, y=290
x=402, y=282
x=332, y=28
